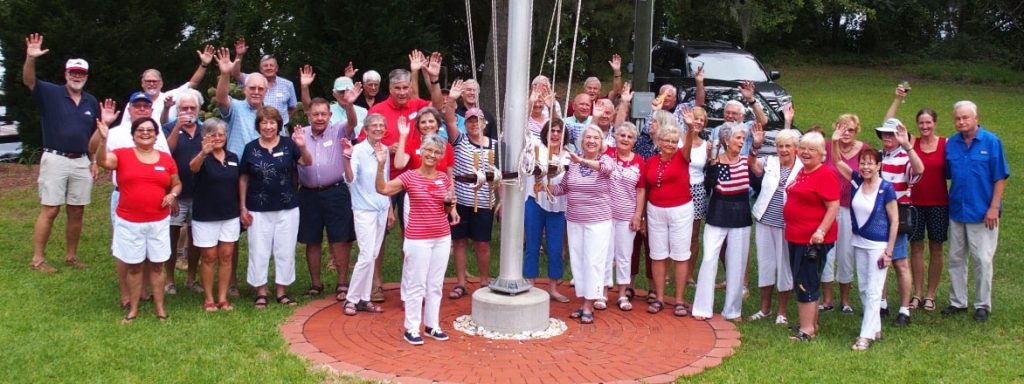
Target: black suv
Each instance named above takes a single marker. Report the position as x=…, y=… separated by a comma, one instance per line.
x=674, y=62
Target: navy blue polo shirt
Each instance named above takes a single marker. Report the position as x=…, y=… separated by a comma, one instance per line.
x=186, y=150
x=67, y=127
x=272, y=175
x=216, y=191
x=973, y=173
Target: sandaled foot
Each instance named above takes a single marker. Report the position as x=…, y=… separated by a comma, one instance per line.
x=801, y=336
x=915, y=302
x=42, y=266
x=624, y=304
x=601, y=304
x=127, y=319
x=75, y=263
x=576, y=314
x=349, y=308
x=457, y=292
x=366, y=306
x=587, y=318
x=825, y=308
x=929, y=304
x=781, y=320
x=315, y=290
x=681, y=310
x=210, y=307
x=261, y=301
x=655, y=307
x=341, y=292
x=652, y=297
x=630, y=293
x=558, y=297
x=162, y=318
x=285, y=300
x=759, y=315
x=225, y=306
x=862, y=344
x=196, y=287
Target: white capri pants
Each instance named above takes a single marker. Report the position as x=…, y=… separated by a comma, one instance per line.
x=272, y=233
x=772, y=257
x=370, y=236
x=422, y=280
x=737, y=242
x=839, y=261
x=978, y=242
x=588, y=250
x=620, y=253
x=669, y=231
x=870, y=281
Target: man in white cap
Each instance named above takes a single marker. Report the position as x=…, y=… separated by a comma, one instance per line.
x=152, y=84
x=68, y=115
x=338, y=112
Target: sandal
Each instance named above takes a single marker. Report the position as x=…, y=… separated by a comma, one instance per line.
x=624, y=303
x=601, y=304
x=366, y=306
x=682, y=310
x=915, y=302
x=225, y=306
x=378, y=295
x=261, y=302
x=929, y=304
x=457, y=292
x=127, y=319
x=42, y=266
x=75, y=263
x=162, y=318
x=801, y=336
x=652, y=297
x=284, y=299
x=558, y=297
x=349, y=308
x=862, y=344
x=210, y=307
x=587, y=318
x=630, y=293
x=315, y=290
x=655, y=307
x=759, y=315
x=576, y=314
x=341, y=292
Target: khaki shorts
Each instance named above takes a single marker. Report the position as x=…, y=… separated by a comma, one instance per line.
x=64, y=181
x=184, y=213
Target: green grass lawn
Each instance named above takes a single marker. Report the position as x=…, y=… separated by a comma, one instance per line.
x=64, y=327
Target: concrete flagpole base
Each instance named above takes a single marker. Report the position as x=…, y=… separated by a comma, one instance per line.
x=525, y=312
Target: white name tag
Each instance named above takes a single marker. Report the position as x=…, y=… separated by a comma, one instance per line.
x=279, y=94
x=984, y=152
x=278, y=154
x=328, y=143
x=438, y=182
x=417, y=152
x=159, y=168
x=232, y=164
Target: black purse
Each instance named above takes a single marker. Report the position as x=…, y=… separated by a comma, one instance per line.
x=814, y=252
x=907, y=217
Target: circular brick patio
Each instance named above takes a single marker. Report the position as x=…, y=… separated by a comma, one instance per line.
x=619, y=347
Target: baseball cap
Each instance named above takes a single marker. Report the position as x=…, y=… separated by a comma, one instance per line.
x=343, y=83
x=76, y=65
x=475, y=112
x=889, y=126
x=139, y=95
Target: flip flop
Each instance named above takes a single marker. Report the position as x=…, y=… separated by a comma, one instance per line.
x=43, y=267
x=75, y=263
x=285, y=300
x=457, y=292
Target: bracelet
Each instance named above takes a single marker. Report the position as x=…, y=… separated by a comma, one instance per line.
x=438, y=81
x=819, y=230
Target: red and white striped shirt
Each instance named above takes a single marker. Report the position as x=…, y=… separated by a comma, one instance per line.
x=586, y=191
x=734, y=181
x=626, y=178
x=897, y=170
x=427, y=217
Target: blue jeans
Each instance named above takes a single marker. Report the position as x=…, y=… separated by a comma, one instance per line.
x=553, y=224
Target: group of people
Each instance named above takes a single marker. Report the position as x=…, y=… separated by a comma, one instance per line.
x=615, y=192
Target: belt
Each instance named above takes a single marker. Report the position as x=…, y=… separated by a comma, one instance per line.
x=70, y=155
x=324, y=188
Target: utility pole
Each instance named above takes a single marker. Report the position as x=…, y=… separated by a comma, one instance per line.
x=642, y=40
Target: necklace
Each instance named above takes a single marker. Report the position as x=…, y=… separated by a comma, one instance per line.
x=662, y=167
x=849, y=151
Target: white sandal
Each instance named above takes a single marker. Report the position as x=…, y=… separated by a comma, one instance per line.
x=624, y=304
x=758, y=316
x=781, y=320
x=601, y=304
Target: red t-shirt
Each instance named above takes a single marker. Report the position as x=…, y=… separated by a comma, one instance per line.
x=412, y=147
x=805, y=204
x=626, y=178
x=668, y=183
x=931, y=189
x=143, y=186
x=427, y=218
x=391, y=113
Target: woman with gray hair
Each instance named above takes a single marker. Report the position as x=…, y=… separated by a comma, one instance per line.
x=628, y=196
x=215, y=211
x=728, y=224
x=427, y=232
x=776, y=172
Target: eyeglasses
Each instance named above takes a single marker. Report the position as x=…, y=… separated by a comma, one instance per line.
x=145, y=130
x=142, y=106
x=150, y=81
x=78, y=74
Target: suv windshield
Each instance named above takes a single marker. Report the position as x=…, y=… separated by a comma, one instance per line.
x=726, y=66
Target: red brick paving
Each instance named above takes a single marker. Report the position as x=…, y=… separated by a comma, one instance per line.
x=610, y=350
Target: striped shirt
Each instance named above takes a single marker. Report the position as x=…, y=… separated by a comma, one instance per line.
x=897, y=170
x=535, y=126
x=773, y=213
x=465, y=151
x=733, y=179
x=626, y=177
x=574, y=129
x=586, y=192
x=427, y=218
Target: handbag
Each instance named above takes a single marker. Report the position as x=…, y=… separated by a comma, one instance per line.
x=907, y=218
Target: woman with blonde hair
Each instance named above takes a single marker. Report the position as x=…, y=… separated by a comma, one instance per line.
x=839, y=263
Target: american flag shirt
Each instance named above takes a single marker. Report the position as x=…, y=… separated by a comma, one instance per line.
x=729, y=206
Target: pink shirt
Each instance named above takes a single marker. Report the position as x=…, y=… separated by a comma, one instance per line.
x=427, y=217
x=586, y=191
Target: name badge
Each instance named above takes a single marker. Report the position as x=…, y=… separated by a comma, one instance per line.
x=278, y=154
x=412, y=116
x=159, y=168
x=984, y=152
x=417, y=152
x=328, y=143
x=438, y=182
x=232, y=164
x=279, y=94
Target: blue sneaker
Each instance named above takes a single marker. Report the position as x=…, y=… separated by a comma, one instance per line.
x=413, y=337
x=436, y=334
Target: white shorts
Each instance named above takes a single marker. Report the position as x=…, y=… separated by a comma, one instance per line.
x=138, y=242
x=669, y=231
x=184, y=213
x=206, y=234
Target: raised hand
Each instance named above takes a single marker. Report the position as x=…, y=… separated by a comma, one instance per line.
x=207, y=145
x=34, y=46
x=455, y=91
x=573, y=157
x=306, y=75
x=902, y=137
x=747, y=90
x=102, y=128
x=757, y=131
x=699, y=76
x=434, y=65
x=350, y=71
x=352, y=94
x=901, y=93
x=616, y=63
x=687, y=115
x=224, y=62
x=837, y=133
x=788, y=112
x=169, y=101
x=416, y=60
x=346, y=147
x=108, y=111
x=380, y=152
x=206, y=55
x=240, y=47
x=403, y=126
x=299, y=137
x=627, y=93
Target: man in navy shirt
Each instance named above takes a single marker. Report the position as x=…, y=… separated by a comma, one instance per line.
x=977, y=174
x=68, y=116
x=185, y=140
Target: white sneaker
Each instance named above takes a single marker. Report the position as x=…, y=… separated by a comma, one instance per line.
x=781, y=320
